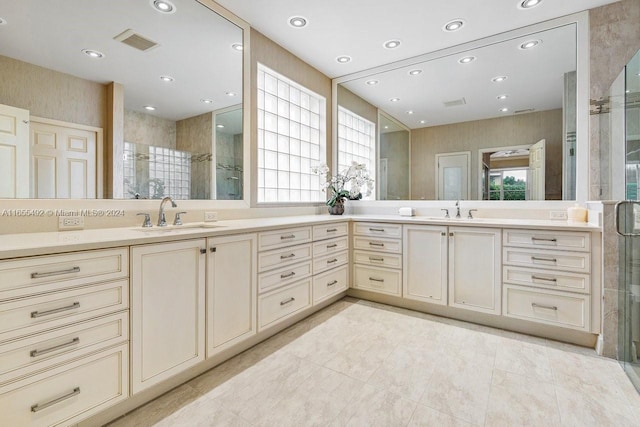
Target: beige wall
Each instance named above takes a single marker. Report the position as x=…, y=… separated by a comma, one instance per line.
x=53, y=95
x=195, y=135
x=274, y=56
x=357, y=105
x=524, y=129
x=394, y=146
x=146, y=129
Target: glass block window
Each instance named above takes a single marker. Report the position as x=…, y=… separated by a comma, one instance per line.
x=291, y=139
x=169, y=173
x=356, y=142
x=129, y=169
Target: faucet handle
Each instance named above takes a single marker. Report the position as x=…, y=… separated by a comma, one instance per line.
x=147, y=220
x=446, y=212
x=470, y=215
x=178, y=220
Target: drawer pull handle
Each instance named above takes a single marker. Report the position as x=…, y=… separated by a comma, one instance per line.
x=335, y=245
x=376, y=259
x=373, y=279
x=36, y=314
x=331, y=230
x=381, y=230
x=535, y=258
x=40, y=406
x=284, y=276
x=289, y=236
x=544, y=239
x=548, y=307
x=546, y=279
x=287, y=256
x=376, y=244
x=331, y=261
x=332, y=283
x=287, y=301
x=36, y=353
x=55, y=273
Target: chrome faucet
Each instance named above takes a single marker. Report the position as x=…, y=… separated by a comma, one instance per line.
x=162, y=221
x=458, y=209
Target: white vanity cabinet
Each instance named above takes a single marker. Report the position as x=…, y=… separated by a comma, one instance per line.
x=167, y=310
x=424, y=272
x=474, y=268
x=231, y=290
x=377, y=257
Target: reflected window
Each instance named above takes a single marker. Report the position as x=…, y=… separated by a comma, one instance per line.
x=291, y=139
x=356, y=142
x=509, y=184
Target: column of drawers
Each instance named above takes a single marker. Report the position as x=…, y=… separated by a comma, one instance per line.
x=64, y=330
x=377, y=257
x=546, y=277
x=330, y=260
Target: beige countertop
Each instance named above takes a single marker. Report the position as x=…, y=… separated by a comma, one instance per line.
x=29, y=244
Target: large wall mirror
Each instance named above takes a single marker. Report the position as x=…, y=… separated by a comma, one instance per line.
x=503, y=118
x=163, y=80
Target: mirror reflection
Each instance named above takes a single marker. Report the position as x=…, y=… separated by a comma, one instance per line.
x=82, y=80
x=494, y=123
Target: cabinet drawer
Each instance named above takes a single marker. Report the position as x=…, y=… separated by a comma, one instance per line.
x=553, y=260
x=377, y=279
x=377, y=259
x=284, y=276
x=25, y=356
x=327, y=231
x=373, y=244
x=550, y=307
x=562, y=281
x=69, y=393
x=324, y=263
x=331, y=246
x=572, y=241
x=377, y=229
x=20, y=277
x=281, y=257
x=282, y=303
x=30, y=315
x=330, y=283
x=281, y=238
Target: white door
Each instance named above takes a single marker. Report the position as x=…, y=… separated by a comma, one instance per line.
x=474, y=268
x=14, y=152
x=167, y=310
x=64, y=159
x=231, y=290
x=424, y=267
x=452, y=176
x=535, y=183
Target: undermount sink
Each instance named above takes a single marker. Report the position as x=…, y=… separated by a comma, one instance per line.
x=441, y=218
x=176, y=228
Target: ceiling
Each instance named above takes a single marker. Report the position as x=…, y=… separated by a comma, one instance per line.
x=194, y=48
x=359, y=28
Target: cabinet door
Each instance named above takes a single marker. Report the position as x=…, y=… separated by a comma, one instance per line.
x=231, y=291
x=424, y=272
x=474, y=268
x=167, y=310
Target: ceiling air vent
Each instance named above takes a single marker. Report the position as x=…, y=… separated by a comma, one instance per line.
x=455, y=102
x=528, y=110
x=133, y=39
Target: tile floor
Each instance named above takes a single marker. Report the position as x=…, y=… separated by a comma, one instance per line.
x=358, y=363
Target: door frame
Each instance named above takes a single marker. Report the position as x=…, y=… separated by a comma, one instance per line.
x=481, y=151
x=437, y=168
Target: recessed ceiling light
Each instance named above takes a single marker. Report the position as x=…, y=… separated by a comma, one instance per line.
x=167, y=79
x=298, y=21
x=207, y=100
x=414, y=72
x=467, y=59
x=627, y=91
x=343, y=59
x=386, y=127
x=504, y=110
x=423, y=122
x=391, y=44
x=93, y=53
x=149, y=107
x=499, y=79
x=529, y=44
x=3, y=21
x=501, y=97
x=163, y=6
x=454, y=25
x=230, y=93
x=372, y=82
x=526, y=4
x=394, y=99
x=237, y=46
x=219, y=126
x=410, y=112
